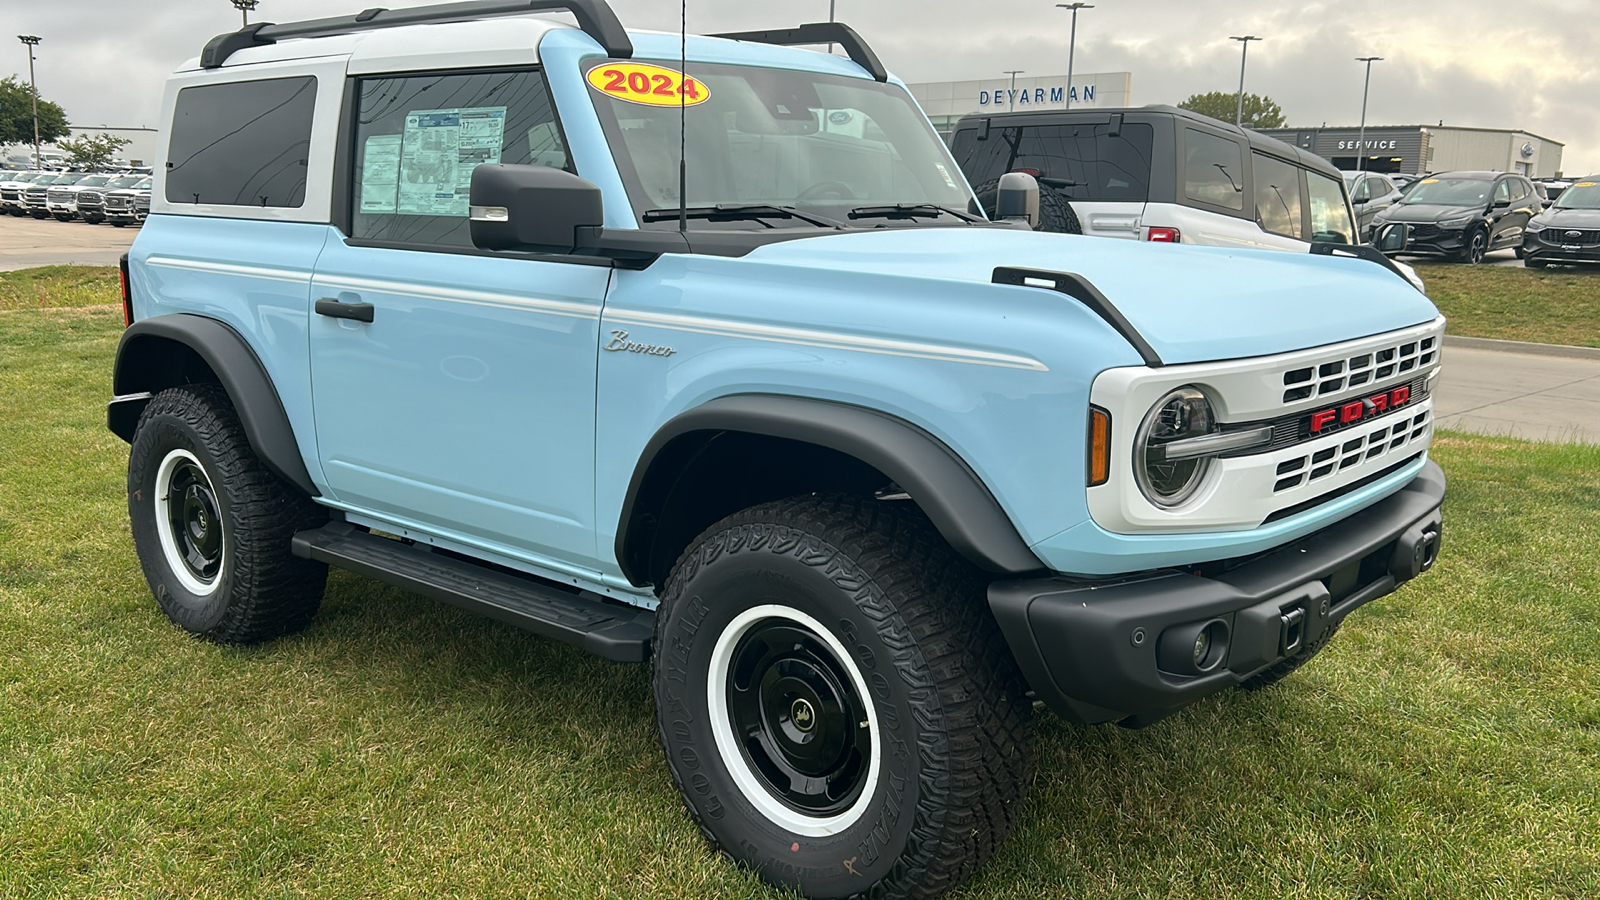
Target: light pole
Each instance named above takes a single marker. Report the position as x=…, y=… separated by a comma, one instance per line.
x=1014, y=73
x=1361, y=143
x=1244, y=50
x=33, y=41
x=831, y=4
x=244, y=7
x=1072, y=41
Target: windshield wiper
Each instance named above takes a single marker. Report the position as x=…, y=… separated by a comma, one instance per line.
x=734, y=211
x=908, y=211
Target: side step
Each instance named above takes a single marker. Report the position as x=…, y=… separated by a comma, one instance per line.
x=610, y=630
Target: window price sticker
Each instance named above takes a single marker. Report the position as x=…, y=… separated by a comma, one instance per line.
x=647, y=84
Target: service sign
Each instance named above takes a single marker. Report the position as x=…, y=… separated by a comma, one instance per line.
x=647, y=84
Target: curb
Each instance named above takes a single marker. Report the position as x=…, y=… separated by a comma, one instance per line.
x=1523, y=347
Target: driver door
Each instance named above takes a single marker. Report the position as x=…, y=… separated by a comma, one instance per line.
x=454, y=389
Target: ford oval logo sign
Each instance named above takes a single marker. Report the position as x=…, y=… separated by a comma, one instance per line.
x=1527, y=150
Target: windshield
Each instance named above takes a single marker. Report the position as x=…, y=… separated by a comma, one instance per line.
x=824, y=144
x=144, y=184
x=95, y=180
x=125, y=181
x=1583, y=195
x=67, y=179
x=1450, y=192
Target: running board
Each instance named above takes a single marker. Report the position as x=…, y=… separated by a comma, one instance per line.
x=606, y=629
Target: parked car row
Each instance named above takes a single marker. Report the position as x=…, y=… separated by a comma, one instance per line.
x=1567, y=232
x=1462, y=216
x=121, y=198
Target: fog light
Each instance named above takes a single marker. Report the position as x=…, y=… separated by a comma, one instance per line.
x=1197, y=648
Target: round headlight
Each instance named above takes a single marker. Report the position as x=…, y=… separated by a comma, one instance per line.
x=1184, y=413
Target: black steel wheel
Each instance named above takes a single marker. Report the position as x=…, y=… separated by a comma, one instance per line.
x=797, y=713
x=838, y=708
x=212, y=524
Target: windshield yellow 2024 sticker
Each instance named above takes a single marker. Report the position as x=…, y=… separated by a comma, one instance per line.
x=647, y=84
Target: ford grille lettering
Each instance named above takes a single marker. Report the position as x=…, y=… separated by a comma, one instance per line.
x=1356, y=410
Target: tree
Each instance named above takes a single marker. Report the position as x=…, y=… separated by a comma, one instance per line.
x=92, y=151
x=1259, y=111
x=16, y=115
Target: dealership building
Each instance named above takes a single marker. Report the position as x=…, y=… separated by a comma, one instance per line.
x=1429, y=148
x=947, y=101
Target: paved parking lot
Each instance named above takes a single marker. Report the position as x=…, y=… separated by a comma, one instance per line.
x=1519, y=394
x=26, y=243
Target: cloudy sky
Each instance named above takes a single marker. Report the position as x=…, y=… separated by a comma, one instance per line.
x=1533, y=64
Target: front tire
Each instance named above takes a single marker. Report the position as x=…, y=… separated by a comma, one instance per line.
x=1477, y=246
x=838, y=708
x=212, y=524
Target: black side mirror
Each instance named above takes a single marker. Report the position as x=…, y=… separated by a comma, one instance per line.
x=534, y=209
x=1017, y=199
x=1392, y=238
x=1500, y=204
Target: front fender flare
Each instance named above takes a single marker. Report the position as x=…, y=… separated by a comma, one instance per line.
x=938, y=480
x=146, y=365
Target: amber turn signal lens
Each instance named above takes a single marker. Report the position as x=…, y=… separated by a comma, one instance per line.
x=1099, y=446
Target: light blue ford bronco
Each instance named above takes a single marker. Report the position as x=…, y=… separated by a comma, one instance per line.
x=698, y=351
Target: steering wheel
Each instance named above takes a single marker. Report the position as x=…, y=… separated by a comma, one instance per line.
x=826, y=190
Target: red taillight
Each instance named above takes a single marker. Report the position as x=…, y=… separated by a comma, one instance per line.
x=1164, y=236
x=1033, y=172
x=127, y=293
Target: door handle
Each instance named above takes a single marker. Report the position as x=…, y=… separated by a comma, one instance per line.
x=333, y=309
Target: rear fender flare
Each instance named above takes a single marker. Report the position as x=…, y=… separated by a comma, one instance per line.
x=148, y=364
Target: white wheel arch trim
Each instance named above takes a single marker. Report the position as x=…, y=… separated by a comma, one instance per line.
x=169, y=542
x=728, y=745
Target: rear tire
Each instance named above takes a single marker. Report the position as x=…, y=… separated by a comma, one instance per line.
x=838, y=708
x=212, y=524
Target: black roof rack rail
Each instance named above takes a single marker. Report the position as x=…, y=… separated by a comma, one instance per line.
x=595, y=17
x=819, y=33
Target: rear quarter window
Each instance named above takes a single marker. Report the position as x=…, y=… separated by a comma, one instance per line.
x=1083, y=162
x=1213, y=171
x=247, y=143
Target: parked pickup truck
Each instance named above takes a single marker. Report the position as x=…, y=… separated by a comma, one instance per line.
x=704, y=354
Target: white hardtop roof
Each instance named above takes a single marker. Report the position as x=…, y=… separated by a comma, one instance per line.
x=486, y=42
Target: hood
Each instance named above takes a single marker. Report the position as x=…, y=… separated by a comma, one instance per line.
x=1427, y=212
x=1567, y=218
x=1192, y=304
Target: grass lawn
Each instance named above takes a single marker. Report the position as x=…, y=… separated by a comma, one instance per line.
x=57, y=286
x=1555, y=306
x=1446, y=745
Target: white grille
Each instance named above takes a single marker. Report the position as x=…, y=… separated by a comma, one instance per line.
x=1355, y=451
x=1336, y=376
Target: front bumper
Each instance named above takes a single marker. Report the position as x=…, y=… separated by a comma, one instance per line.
x=1090, y=650
x=1534, y=246
x=1432, y=240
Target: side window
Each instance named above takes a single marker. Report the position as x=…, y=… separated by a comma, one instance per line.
x=1213, y=170
x=1363, y=191
x=1502, y=191
x=1330, y=218
x=1382, y=187
x=247, y=143
x=1277, y=196
x=418, y=138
